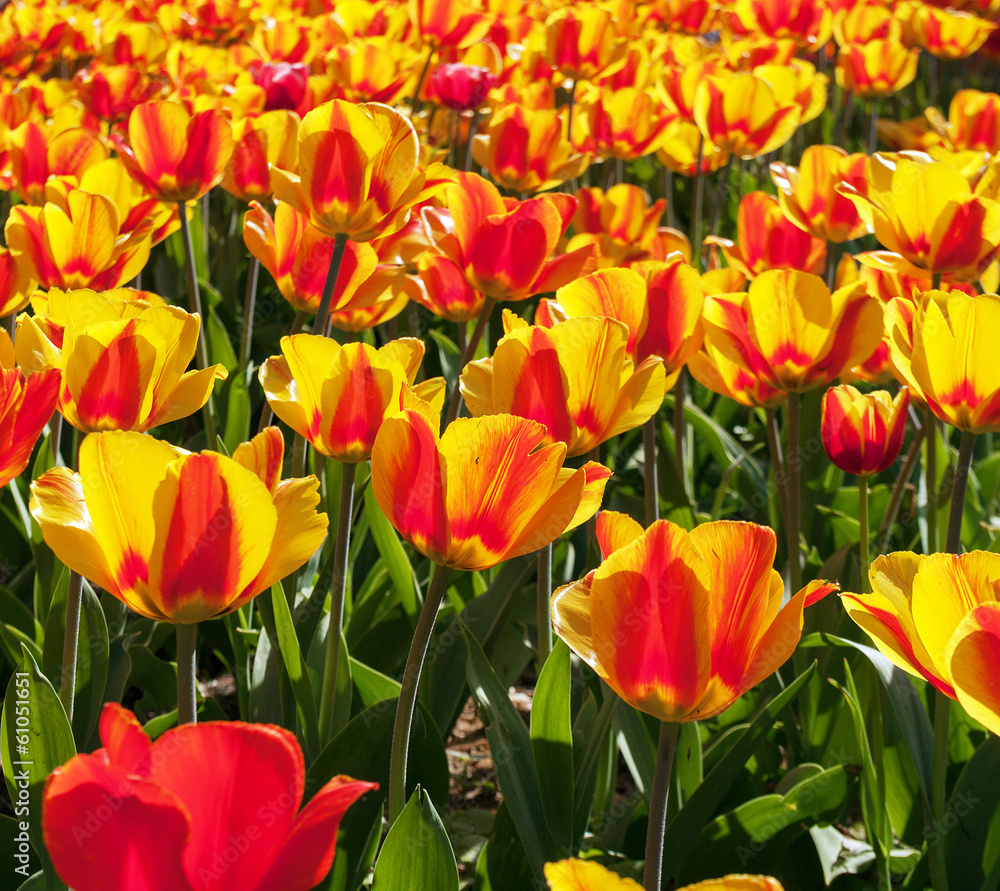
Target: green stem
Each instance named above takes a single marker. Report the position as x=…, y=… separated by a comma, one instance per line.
x=896, y=497
x=651, y=484
x=416, y=103
x=569, y=114
x=679, y=428
x=249, y=307
x=71, y=636
x=187, y=645
x=467, y=354
x=658, y=798
x=699, y=200
x=863, y=537
x=953, y=543
x=939, y=781
x=408, y=691
x=330, y=285
x=794, y=474
x=473, y=127
x=936, y=280
x=668, y=194
x=777, y=461
x=544, y=594
x=338, y=588
x=873, y=128
x=194, y=298
x=930, y=479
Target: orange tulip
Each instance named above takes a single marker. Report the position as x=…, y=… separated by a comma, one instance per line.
x=863, y=432
x=338, y=396
x=877, y=68
x=690, y=16
x=175, y=155
x=298, y=257
x=942, y=348
x=808, y=22
x=380, y=297
x=112, y=91
x=16, y=283
x=949, y=33
x=768, y=239
x=627, y=123
x=742, y=114
x=581, y=42
x=589, y=875
x=77, y=242
x=681, y=624
x=447, y=22
x=445, y=291
x=808, y=195
x=123, y=362
x=378, y=147
x=621, y=222
x=504, y=248
x=973, y=121
x=27, y=401
x=573, y=378
x=927, y=212
x=380, y=69
x=36, y=152
x=527, y=150
x=179, y=537
x=862, y=21
x=791, y=332
x=270, y=138
x=481, y=493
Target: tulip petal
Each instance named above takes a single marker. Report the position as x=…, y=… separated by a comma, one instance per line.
x=571, y=619
x=973, y=658
x=188, y=395
x=263, y=455
x=585, y=875
x=125, y=742
x=616, y=530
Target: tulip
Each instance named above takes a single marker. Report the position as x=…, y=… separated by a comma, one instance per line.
x=175, y=155
x=357, y=171
x=621, y=221
x=462, y=87
x=284, y=84
x=808, y=195
x=527, y=150
x=768, y=239
x=123, y=362
x=684, y=145
x=808, y=22
x=445, y=291
x=505, y=249
x=626, y=124
x=743, y=115
x=581, y=42
x=112, y=91
x=270, y=138
x=375, y=70
x=973, y=121
x=181, y=804
x=16, y=283
x=442, y=23
x=927, y=212
x=949, y=33
x=862, y=21
x=179, y=537
x=36, y=152
x=589, y=875
x=573, y=378
x=877, y=68
x=77, y=241
x=863, y=432
x=26, y=404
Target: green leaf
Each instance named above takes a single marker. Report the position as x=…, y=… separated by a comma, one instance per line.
x=510, y=745
x=35, y=738
x=417, y=852
x=552, y=743
x=237, y=413
x=291, y=655
x=220, y=348
x=698, y=809
x=16, y=848
x=393, y=556
x=970, y=826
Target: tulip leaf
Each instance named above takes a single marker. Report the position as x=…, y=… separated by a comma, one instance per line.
x=371, y=686
x=220, y=348
x=295, y=666
x=35, y=738
x=16, y=848
x=510, y=745
x=417, y=852
x=393, y=556
x=552, y=743
x=502, y=863
x=593, y=725
x=35, y=883
x=970, y=826
x=237, y=413
x=685, y=828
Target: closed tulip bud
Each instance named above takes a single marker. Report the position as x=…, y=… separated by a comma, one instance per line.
x=462, y=87
x=863, y=432
x=284, y=84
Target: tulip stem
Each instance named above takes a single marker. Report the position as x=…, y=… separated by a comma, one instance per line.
x=187, y=646
x=896, y=498
x=953, y=543
x=873, y=128
x=249, y=307
x=668, y=194
x=699, y=200
x=194, y=298
x=544, y=594
x=930, y=480
x=651, y=483
x=777, y=461
x=679, y=428
x=467, y=354
x=12, y=325
x=939, y=782
x=473, y=127
x=416, y=103
x=936, y=281
x=569, y=113
x=408, y=691
x=71, y=636
x=325, y=301
x=338, y=587
x=658, y=798
x=863, y=536
x=793, y=526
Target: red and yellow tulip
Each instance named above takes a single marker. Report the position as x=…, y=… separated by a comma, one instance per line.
x=681, y=624
x=36, y=152
x=482, y=492
x=949, y=33
x=338, y=396
x=589, y=875
x=259, y=142
x=863, y=432
x=880, y=67
x=178, y=806
x=581, y=41
x=179, y=537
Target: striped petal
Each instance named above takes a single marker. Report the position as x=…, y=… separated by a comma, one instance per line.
x=973, y=659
